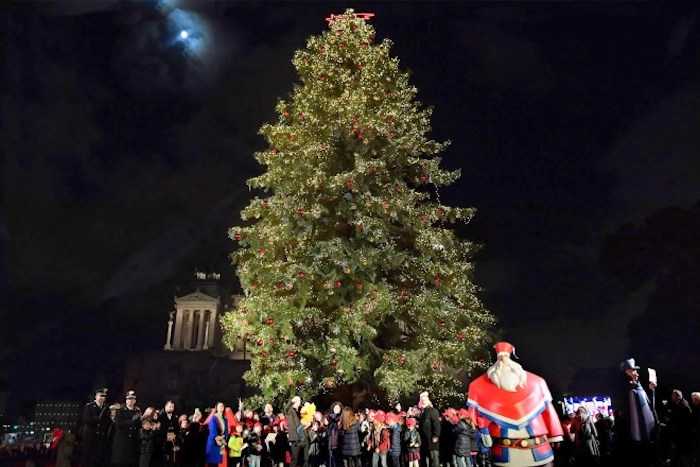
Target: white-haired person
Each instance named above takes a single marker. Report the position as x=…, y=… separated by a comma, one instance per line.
x=430, y=428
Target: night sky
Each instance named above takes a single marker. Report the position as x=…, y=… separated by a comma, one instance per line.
x=125, y=151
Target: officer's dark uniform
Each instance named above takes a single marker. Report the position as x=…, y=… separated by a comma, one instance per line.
x=95, y=424
x=125, y=446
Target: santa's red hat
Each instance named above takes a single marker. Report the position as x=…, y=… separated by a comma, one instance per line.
x=504, y=347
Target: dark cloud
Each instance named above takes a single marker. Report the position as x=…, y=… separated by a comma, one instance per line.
x=127, y=155
x=655, y=161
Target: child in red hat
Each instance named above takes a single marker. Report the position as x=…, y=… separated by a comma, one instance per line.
x=393, y=422
x=381, y=439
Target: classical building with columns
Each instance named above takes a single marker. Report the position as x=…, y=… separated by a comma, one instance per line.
x=194, y=368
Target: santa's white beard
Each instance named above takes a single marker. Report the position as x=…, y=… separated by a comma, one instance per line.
x=507, y=375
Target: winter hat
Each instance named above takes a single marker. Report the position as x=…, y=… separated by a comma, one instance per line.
x=380, y=416
x=410, y=422
x=451, y=415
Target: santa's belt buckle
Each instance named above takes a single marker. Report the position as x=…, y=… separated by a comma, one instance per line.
x=525, y=443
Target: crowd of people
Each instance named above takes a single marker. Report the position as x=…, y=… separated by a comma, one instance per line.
x=299, y=435
x=600, y=439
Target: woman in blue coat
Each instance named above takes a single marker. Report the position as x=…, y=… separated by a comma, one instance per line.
x=216, y=440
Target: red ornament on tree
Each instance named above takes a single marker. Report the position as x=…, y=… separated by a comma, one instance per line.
x=460, y=336
x=424, y=179
x=285, y=114
x=437, y=280
x=260, y=342
x=440, y=212
x=269, y=321
x=338, y=284
x=237, y=236
x=261, y=251
x=402, y=359
x=301, y=274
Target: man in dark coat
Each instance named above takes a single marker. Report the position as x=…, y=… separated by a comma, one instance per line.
x=681, y=430
x=695, y=414
x=636, y=423
x=94, y=430
x=430, y=431
x=125, y=446
x=295, y=429
x=167, y=434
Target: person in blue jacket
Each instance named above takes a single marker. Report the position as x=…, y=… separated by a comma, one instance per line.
x=217, y=438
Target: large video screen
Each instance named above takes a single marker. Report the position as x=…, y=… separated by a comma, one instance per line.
x=594, y=404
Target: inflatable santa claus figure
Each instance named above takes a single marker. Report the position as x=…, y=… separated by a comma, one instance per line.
x=513, y=410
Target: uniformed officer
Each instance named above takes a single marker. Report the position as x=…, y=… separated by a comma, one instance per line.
x=127, y=422
x=95, y=424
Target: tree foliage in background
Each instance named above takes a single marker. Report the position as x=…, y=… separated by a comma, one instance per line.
x=349, y=268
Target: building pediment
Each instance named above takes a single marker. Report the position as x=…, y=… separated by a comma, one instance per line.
x=196, y=297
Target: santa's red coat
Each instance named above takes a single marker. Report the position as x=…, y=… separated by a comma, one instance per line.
x=526, y=413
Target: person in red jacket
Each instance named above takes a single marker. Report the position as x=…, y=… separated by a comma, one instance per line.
x=381, y=439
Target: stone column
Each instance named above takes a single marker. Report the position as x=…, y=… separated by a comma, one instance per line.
x=206, y=334
x=170, y=335
x=177, y=343
x=187, y=330
x=201, y=335
x=212, y=328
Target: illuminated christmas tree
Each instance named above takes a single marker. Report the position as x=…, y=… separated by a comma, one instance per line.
x=349, y=269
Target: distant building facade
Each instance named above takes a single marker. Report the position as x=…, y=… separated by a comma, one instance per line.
x=56, y=414
x=194, y=369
